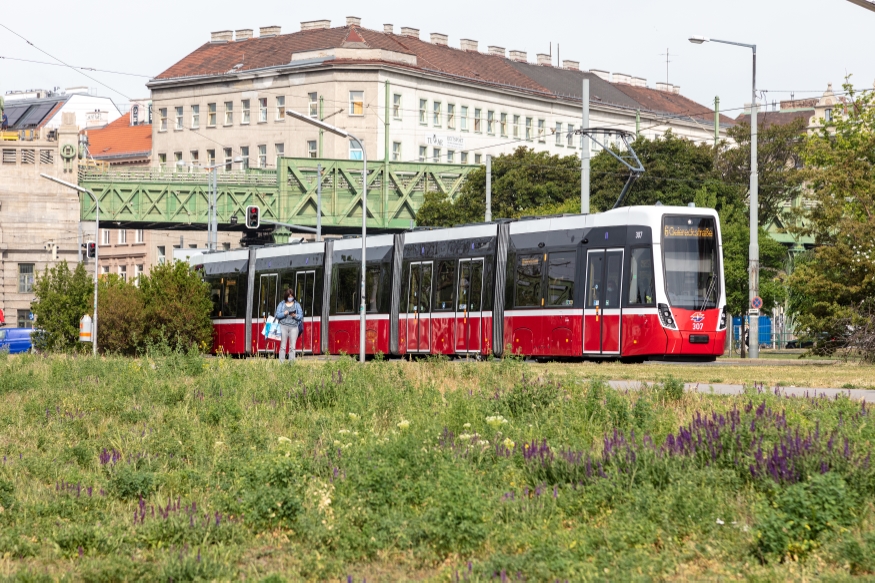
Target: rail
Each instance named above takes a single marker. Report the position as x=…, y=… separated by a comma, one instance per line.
x=184, y=176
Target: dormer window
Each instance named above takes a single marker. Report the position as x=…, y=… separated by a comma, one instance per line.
x=827, y=114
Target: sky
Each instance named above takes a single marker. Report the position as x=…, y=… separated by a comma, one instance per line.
x=802, y=45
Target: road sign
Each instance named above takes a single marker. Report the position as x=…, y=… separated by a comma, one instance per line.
x=756, y=303
x=753, y=312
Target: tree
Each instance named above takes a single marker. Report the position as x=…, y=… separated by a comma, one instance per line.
x=61, y=298
x=177, y=306
x=832, y=290
x=122, y=311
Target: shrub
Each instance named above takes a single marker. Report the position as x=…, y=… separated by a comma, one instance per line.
x=61, y=298
x=178, y=306
x=122, y=317
x=671, y=389
x=130, y=484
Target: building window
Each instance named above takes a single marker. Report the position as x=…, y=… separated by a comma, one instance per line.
x=477, y=114
x=280, y=150
x=178, y=125
x=162, y=160
x=435, y=155
x=211, y=157
x=313, y=104
x=122, y=237
x=228, y=159
x=195, y=158
x=827, y=115
x=396, y=151
x=396, y=106
x=436, y=111
x=423, y=152
x=105, y=235
x=245, y=114
x=542, y=125
x=226, y=246
x=502, y=125
x=451, y=116
x=195, y=117
x=162, y=116
x=558, y=133
x=244, y=153
x=229, y=113
x=25, y=278
x=356, y=103
x=463, y=118
x=311, y=148
x=464, y=158
x=490, y=122
x=355, y=151
x=451, y=156
x=569, y=136
x=423, y=106
x=177, y=158
x=139, y=236
x=138, y=270
x=281, y=107
x=262, y=109
x=104, y=270
x=262, y=155
x=516, y=127
x=211, y=115
x=161, y=255
x=123, y=272
x=528, y=129
x=477, y=158
x=24, y=320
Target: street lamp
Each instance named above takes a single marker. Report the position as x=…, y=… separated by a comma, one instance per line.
x=867, y=4
x=754, y=249
x=96, y=247
x=213, y=227
x=345, y=134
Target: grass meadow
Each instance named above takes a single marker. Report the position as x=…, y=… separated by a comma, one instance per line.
x=175, y=467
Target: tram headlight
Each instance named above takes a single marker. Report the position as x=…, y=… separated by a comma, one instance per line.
x=723, y=317
x=666, y=317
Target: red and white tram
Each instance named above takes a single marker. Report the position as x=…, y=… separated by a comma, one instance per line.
x=632, y=283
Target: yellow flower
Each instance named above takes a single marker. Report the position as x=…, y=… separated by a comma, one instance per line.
x=403, y=424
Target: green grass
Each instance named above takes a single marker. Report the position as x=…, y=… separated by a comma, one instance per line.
x=183, y=468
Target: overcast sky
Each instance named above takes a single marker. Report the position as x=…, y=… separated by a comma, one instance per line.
x=802, y=44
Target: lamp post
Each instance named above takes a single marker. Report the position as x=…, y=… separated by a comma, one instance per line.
x=96, y=247
x=213, y=226
x=345, y=134
x=754, y=249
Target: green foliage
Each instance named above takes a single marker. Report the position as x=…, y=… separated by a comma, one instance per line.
x=671, y=389
x=178, y=306
x=128, y=483
x=62, y=297
x=122, y=316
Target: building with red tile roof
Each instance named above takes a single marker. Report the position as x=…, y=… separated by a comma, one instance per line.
x=407, y=98
x=121, y=143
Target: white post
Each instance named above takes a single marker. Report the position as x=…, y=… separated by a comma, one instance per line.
x=488, y=188
x=364, y=246
x=318, y=202
x=584, y=152
x=96, y=267
x=754, y=252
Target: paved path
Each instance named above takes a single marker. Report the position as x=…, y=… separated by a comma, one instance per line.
x=724, y=389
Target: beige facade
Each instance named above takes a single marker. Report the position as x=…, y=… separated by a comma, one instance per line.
x=39, y=219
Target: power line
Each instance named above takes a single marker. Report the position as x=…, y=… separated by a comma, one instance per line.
x=74, y=67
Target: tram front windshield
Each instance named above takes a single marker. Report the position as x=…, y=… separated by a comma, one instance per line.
x=692, y=270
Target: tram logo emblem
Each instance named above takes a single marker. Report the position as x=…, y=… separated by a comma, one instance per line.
x=698, y=317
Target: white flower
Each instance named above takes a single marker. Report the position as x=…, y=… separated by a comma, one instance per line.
x=467, y=426
x=343, y=431
x=495, y=421
x=353, y=417
x=219, y=443
x=483, y=442
x=403, y=424
x=337, y=443
x=465, y=436
x=282, y=439
x=720, y=522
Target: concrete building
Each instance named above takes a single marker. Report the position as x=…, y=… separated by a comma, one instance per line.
x=409, y=99
x=35, y=109
x=121, y=143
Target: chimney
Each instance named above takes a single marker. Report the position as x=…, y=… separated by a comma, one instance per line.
x=604, y=75
x=222, y=36
x=353, y=21
x=660, y=86
x=497, y=51
x=315, y=25
x=519, y=56
x=389, y=28
x=439, y=38
x=573, y=65
x=622, y=78
x=408, y=31
x=545, y=59
x=639, y=81
x=676, y=89
x=468, y=44
x=269, y=31
x=244, y=34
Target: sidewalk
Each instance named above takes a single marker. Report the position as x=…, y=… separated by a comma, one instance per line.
x=724, y=389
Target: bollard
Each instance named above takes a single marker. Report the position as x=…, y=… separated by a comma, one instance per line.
x=85, y=329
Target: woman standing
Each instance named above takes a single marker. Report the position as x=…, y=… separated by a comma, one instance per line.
x=289, y=314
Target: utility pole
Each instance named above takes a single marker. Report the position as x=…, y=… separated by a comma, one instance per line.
x=584, y=152
x=716, y=119
x=488, y=188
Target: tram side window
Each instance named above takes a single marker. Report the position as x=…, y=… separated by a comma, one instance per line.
x=560, y=278
x=446, y=281
x=641, y=277
x=372, y=288
x=346, y=290
x=528, y=281
x=223, y=294
x=229, y=308
x=216, y=297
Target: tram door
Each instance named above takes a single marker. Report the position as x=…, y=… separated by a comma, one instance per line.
x=305, y=284
x=469, y=306
x=267, y=302
x=601, y=309
x=419, y=307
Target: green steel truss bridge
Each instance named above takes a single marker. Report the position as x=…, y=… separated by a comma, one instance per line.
x=152, y=198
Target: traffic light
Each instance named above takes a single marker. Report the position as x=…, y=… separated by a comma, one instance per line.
x=253, y=218
x=91, y=246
